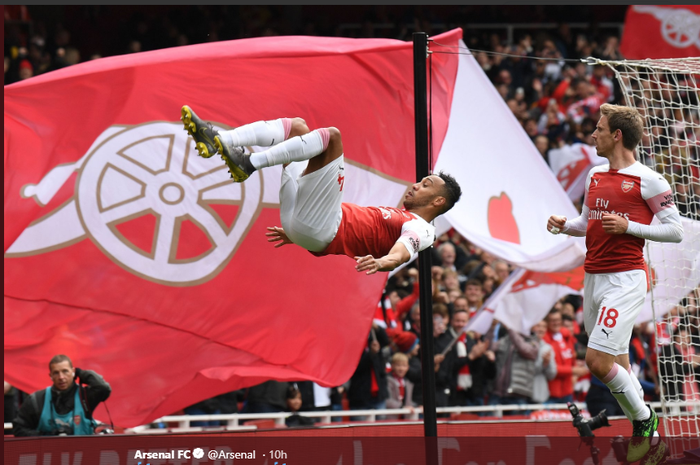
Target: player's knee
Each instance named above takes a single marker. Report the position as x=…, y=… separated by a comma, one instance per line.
x=299, y=127
x=599, y=366
x=334, y=135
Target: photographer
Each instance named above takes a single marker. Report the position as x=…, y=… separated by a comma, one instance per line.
x=65, y=408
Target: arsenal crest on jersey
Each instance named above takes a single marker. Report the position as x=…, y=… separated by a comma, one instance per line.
x=627, y=186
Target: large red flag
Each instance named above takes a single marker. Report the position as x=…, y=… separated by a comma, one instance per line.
x=145, y=263
x=661, y=31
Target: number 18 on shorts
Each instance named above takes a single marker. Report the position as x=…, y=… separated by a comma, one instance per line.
x=612, y=302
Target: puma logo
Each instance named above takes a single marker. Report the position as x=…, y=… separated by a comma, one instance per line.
x=607, y=334
x=596, y=182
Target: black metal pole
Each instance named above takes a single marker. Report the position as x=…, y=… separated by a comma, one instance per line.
x=420, y=47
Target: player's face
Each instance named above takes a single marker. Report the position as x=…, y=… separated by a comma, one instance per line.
x=62, y=375
x=424, y=192
x=602, y=138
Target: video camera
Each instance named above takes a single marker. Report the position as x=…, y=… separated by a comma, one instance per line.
x=585, y=426
x=62, y=430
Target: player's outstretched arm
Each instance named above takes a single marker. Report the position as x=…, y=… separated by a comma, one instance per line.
x=277, y=234
x=576, y=227
x=397, y=256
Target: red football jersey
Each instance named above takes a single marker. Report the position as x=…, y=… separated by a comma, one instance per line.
x=375, y=230
x=635, y=192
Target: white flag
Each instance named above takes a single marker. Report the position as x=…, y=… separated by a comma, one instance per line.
x=509, y=192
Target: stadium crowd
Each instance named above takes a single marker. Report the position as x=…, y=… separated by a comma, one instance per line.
x=557, y=102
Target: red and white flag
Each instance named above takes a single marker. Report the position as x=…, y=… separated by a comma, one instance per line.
x=510, y=191
x=142, y=261
x=661, y=31
x=525, y=298
x=571, y=165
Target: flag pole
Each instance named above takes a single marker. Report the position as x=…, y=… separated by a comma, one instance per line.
x=420, y=48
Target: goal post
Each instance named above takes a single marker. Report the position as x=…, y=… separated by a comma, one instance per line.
x=666, y=94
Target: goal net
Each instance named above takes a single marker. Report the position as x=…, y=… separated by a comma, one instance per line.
x=667, y=95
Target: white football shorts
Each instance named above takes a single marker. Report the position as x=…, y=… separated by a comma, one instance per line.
x=611, y=304
x=310, y=205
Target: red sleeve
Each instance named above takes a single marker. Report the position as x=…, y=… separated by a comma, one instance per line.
x=559, y=93
x=404, y=305
x=565, y=370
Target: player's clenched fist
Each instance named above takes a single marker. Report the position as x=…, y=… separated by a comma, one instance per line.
x=555, y=224
x=614, y=224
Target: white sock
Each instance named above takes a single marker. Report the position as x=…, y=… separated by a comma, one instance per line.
x=297, y=148
x=261, y=133
x=626, y=412
x=622, y=388
x=637, y=384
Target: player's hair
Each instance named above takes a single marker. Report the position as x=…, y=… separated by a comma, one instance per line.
x=451, y=191
x=58, y=359
x=626, y=119
x=399, y=357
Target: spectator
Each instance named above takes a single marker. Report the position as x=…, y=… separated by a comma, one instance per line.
x=542, y=146
x=545, y=365
x=515, y=370
x=26, y=70
x=448, y=255
x=267, y=397
x=66, y=407
x=400, y=388
x=561, y=388
x=679, y=362
x=412, y=324
x=368, y=385
x=407, y=343
x=474, y=292
x=205, y=407
x=294, y=402
x=441, y=317
x=318, y=398
x=460, y=304
x=453, y=372
x=502, y=270
x=450, y=280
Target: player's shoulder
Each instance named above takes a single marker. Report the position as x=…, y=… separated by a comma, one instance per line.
x=641, y=170
x=596, y=170
x=646, y=174
x=599, y=169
